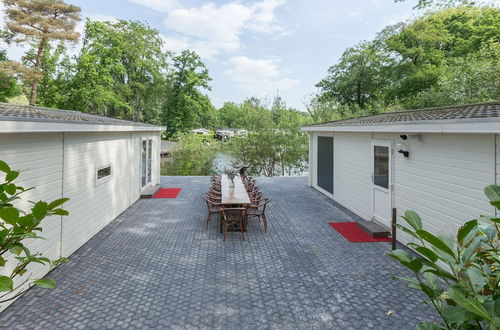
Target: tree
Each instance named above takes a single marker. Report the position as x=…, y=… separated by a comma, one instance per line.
x=439, y=3
x=357, y=79
x=469, y=79
x=39, y=22
x=8, y=84
x=186, y=107
x=120, y=71
x=322, y=111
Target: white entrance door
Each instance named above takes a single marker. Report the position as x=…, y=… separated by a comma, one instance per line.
x=382, y=181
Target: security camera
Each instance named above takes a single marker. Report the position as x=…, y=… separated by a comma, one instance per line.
x=412, y=137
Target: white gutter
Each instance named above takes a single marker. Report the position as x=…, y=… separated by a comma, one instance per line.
x=22, y=126
x=486, y=125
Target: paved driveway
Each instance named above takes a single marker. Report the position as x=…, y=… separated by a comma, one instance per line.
x=156, y=266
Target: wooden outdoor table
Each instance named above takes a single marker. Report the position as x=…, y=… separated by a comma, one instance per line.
x=233, y=197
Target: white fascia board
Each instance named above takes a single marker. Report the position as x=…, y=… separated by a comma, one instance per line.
x=18, y=126
x=480, y=126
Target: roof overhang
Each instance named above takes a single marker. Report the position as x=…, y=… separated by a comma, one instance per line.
x=24, y=126
x=476, y=126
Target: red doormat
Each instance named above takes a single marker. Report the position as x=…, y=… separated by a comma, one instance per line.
x=354, y=234
x=167, y=193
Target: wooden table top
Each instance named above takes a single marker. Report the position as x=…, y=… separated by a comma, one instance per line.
x=236, y=195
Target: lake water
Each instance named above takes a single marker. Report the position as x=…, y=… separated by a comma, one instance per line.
x=223, y=161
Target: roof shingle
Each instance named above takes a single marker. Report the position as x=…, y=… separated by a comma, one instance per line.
x=421, y=116
x=33, y=113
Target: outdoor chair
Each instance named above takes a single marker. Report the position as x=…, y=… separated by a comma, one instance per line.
x=213, y=208
x=258, y=211
x=234, y=216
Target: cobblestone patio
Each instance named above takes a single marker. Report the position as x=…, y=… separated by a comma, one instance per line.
x=156, y=266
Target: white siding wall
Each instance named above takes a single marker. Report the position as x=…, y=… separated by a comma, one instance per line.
x=82, y=154
x=40, y=157
x=442, y=180
x=352, y=172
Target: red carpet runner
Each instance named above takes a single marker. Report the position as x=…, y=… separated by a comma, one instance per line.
x=354, y=234
x=167, y=193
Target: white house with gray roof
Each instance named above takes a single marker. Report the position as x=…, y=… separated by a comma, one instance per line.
x=433, y=161
x=102, y=164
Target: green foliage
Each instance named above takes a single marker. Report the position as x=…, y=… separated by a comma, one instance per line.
x=192, y=155
x=8, y=84
x=460, y=276
x=186, y=107
x=443, y=57
x=37, y=23
x=16, y=226
x=272, y=152
x=119, y=73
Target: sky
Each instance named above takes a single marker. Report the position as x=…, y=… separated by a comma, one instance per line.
x=256, y=48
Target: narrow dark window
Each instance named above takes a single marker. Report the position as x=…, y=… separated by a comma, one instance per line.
x=103, y=172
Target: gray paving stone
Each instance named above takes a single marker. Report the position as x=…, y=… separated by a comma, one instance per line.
x=156, y=266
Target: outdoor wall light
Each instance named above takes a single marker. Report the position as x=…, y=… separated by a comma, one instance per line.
x=412, y=137
x=402, y=149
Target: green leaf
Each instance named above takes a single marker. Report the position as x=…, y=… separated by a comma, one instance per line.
x=57, y=203
x=428, y=253
x=469, y=303
x=400, y=255
x=60, y=212
x=10, y=189
x=476, y=277
x=413, y=219
x=11, y=176
x=16, y=249
x=46, y=283
x=9, y=215
x=4, y=167
x=493, y=193
x=465, y=230
x=6, y=284
x=457, y=314
x=39, y=210
x=435, y=241
x=429, y=326
x=406, y=230
x=2, y=261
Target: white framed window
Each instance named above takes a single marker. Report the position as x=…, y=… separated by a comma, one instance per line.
x=146, y=161
x=103, y=173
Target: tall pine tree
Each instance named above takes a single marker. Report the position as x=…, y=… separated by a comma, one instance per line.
x=38, y=22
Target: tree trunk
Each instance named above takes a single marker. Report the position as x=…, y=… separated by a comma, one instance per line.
x=38, y=64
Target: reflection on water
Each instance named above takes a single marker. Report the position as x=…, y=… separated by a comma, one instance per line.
x=224, y=161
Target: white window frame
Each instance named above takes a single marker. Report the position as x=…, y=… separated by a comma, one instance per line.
x=99, y=181
x=148, y=151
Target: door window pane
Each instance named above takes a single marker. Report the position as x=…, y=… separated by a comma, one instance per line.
x=144, y=163
x=381, y=166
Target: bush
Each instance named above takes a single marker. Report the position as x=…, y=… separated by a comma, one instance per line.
x=16, y=226
x=460, y=276
x=192, y=155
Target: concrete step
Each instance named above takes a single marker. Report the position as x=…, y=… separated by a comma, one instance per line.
x=150, y=191
x=374, y=229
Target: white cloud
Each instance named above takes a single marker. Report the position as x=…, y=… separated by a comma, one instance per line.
x=162, y=6
x=211, y=28
x=258, y=77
